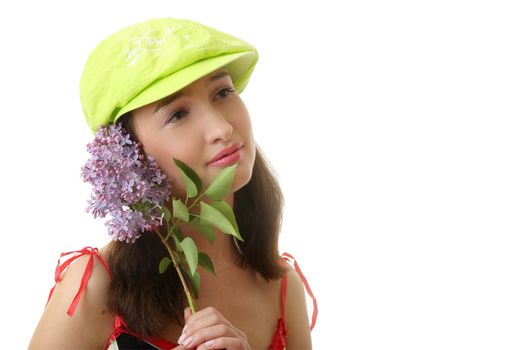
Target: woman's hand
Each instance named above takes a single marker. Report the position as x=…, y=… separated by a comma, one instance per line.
x=208, y=329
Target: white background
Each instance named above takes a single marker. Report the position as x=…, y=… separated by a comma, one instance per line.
x=396, y=129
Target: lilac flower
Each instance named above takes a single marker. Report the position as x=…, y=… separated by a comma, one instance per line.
x=125, y=184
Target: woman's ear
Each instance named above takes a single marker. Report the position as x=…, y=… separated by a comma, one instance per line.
x=127, y=123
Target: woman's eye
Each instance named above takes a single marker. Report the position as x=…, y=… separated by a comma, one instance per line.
x=226, y=92
x=176, y=115
x=181, y=113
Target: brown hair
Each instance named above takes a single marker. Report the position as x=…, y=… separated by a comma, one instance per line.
x=148, y=300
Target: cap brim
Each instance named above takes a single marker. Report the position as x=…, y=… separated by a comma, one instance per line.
x=240, y=66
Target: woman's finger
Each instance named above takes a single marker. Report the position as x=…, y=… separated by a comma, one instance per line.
x=202, y=319
x=225, y=343
x=180, y=347
x=203, y=335
x=205, y=313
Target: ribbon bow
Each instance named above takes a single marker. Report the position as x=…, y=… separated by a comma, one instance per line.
x=92, y=252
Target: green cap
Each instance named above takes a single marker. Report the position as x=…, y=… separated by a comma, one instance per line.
x=150, y=60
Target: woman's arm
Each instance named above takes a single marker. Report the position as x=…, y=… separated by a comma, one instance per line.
x=296, y=316
x=90, y=326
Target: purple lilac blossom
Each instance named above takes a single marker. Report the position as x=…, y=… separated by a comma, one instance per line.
x=125, y=184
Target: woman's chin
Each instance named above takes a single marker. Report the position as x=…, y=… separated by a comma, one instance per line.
x=241, y=179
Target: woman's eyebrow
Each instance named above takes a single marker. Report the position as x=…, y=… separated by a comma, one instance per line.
x=218, y=75
x=169, y=99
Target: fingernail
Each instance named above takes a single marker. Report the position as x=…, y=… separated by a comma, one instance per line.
x=181, y=339
x=209, y=343
x=187, y=342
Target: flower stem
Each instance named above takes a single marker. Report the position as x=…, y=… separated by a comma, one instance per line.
x=189, y=297
x=196, y=200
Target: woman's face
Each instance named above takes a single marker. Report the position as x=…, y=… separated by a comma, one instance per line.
x=194, y=125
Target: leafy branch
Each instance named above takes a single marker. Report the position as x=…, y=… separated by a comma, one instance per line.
x=182, y=251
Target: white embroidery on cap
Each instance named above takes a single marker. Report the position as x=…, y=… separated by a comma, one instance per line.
x=152, y=43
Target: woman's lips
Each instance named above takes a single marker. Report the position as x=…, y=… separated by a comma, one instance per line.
x=227, y=160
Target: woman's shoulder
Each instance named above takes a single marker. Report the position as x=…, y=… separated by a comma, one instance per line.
x=294, y=287
x=76, y=313
x=88, y=264
x=85, y=274
x=296, y=313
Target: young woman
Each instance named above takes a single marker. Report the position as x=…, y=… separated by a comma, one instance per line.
x=174, y=86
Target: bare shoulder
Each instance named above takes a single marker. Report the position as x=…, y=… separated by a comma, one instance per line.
x=91, y=324
x=297, y=322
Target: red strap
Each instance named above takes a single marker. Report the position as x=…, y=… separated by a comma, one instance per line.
x=306, y=285
x=85, y=278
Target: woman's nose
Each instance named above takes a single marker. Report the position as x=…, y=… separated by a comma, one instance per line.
x=217, y=126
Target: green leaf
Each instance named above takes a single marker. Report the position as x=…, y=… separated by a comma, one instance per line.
x=206, y=230
x=215, y=218
x=222, y=183
x=178, y=234
x=167, y=214
x=227, y=211
x=205, y=261
x=192, y=182
x=195, y=281
x=164, y=263
x=175, y=234
x=177, y=237
x=180, y=211
x=190, y=251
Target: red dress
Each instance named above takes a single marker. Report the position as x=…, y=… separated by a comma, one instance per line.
x=119, y=325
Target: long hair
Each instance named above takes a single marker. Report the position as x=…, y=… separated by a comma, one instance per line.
x=148, y=300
